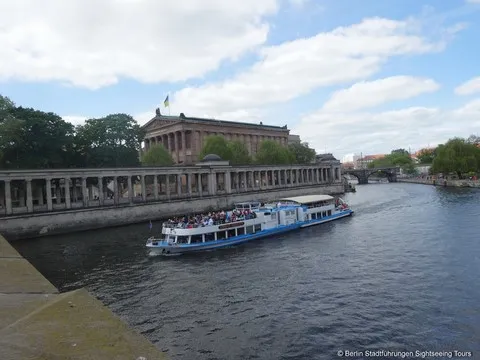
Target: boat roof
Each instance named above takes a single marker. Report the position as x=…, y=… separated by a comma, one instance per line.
x=306, y=199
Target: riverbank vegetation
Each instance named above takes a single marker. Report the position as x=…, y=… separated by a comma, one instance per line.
x=33, y=139
x=458, y=156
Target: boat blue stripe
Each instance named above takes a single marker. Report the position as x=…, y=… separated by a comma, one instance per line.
x=215, y=244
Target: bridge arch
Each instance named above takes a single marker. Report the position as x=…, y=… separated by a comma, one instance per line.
x=363, y=174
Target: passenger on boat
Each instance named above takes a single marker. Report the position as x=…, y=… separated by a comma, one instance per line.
x=212, y=218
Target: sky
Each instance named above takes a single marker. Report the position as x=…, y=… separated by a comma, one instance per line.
x=348, y=76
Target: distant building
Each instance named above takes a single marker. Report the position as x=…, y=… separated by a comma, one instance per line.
x=364, y=161
x=327, y=159
x=294, y=139
x=185, y=136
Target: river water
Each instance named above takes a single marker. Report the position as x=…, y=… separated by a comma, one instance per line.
x=400, y=275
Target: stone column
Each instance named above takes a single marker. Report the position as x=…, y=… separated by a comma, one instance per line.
x=29, y=201
x=251, y=180
x=84, y=193
x=199, y=184
x=101, y=196
x=177, y=150
x=115, y=190
x=48, y=192
x=167, y=186
x=184, y=147
x=66, y=187
x=212, y=183
x=144, y=188
x=228, y=181
x=155, y=187
x=179, y=184
x=244, y=180
x=169, y=143
x=189, y=184
x=8, y=197
x=130, y=189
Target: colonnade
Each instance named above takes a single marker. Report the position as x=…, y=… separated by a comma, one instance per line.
x=50, y=190
x=185, y=145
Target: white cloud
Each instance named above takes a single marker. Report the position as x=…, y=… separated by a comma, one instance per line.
x=372, y=93
x=95, y=43
x=295, y=68
x=473, y=1
x=372, y=133
x=470, y=87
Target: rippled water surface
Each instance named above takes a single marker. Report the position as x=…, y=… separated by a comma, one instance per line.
x=401, y=275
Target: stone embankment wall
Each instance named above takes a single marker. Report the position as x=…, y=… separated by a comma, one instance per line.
x=442, y=182
x=37, y=322
x=34, y=225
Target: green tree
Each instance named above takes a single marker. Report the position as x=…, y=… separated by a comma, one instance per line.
x=473, y=139
x=426, y=156
x=456, y=156
x=398, y=157
x=218, y=145
x=238, y=153
x=34, y=139
x=110, y=141
x=272, y=153
x=302, y=152
x=157, y=155
x=5, y=106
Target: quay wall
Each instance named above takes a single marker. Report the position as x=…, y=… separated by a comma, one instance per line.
x=37, y=322
x=443, y=182
x=41, y=224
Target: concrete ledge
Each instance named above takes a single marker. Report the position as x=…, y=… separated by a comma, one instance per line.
x=35, y=225
x=38, y=323
x=443, y=182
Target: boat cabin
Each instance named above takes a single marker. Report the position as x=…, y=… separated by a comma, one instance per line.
x=313, y=206
x=248, y=205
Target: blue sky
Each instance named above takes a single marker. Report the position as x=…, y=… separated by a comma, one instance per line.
x=347, y=76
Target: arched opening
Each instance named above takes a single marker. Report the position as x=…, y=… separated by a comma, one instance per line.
x=382, y=176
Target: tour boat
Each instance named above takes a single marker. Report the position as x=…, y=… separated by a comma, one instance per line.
x=246, y=222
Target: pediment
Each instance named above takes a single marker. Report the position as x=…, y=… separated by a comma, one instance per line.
x=159, y=123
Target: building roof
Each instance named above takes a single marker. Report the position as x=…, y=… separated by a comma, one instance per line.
x=372, y=157
x=184, y=118
x=305, y=199
x=212, y=157
x=325, y=157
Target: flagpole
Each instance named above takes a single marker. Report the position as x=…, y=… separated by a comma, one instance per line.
x=169, y=104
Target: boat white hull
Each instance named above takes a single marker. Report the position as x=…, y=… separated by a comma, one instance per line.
x=165, y=249
x=162, y=248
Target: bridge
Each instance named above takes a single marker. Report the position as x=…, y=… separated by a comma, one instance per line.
x=363, y=174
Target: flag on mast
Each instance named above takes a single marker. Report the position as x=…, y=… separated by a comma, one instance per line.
x=166, y=102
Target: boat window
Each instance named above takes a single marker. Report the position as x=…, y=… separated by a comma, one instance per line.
x=249, y=229
x=314, y=216
x=267, y=213
x=324, y=213
x=182, y=239
x=329, y=212
x=231, y=233
x=209, y=237
x=221, y=235
x=319, y=215
x=241, y=231
x=258, y=227
x=196, y=239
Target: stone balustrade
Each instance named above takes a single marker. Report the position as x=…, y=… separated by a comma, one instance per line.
x=39, y=191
